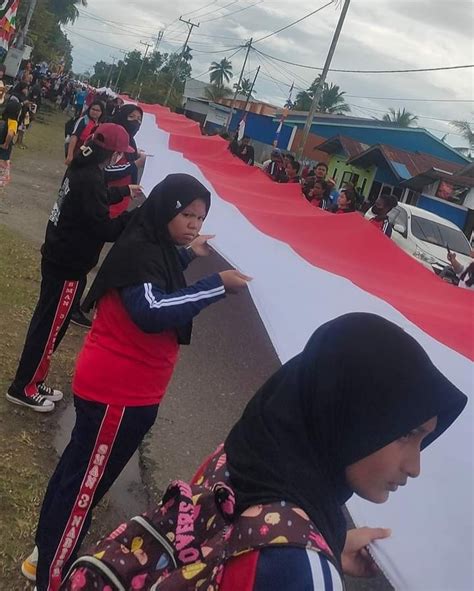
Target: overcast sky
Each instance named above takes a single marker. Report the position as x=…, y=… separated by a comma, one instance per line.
x=377, y=34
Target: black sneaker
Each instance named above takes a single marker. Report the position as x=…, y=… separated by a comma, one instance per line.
x=80, y=319
x=36, y=402
x=49, y=393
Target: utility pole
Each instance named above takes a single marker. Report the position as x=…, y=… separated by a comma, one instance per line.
x=178, y=65
x=320, y=86
x=109, y=76
x=120, y=70
x=20, y=42
x=147, y=47
x=234, y=100
x=158, y=39
x=249, y=94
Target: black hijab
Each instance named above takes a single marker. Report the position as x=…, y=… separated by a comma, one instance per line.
x=132, y=127
x=144, y=253
x=360, y=383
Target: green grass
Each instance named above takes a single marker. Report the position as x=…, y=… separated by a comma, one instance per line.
x=25, y=437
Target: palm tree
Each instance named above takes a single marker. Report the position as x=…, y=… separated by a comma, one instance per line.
x=66, y=11
x=465, y=129
x=332, y=99
x=214, y=92
x=245, y=87
x=401, y=117
x=220, y=72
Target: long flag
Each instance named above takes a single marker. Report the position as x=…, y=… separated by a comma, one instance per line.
x=310, y=266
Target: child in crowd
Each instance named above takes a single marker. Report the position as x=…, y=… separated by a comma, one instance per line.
x=144, y=313
x=10, y=127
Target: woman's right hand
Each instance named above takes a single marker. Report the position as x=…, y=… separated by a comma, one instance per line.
x=68, y=161
x=451, y=257
x=234, y=281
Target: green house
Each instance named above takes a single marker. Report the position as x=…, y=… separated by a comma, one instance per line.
x=341, y=149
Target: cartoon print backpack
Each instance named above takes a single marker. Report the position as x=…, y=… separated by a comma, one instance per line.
x=185, y=542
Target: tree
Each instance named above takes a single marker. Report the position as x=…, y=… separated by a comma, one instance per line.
x=50, y=42
x=400, y=117
x=66, y=10
x=332, y=99
x=215, y=93
x=245, y=87
x=465, y=129
x=220, y=72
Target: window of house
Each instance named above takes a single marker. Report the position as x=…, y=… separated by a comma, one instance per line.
x=364, y=184
x=347, y=177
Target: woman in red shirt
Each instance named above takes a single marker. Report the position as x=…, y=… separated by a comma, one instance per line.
x=144, y=312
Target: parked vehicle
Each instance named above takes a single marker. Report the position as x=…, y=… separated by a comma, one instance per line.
x=426, y=237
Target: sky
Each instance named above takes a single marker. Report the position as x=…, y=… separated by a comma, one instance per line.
x=377, y=35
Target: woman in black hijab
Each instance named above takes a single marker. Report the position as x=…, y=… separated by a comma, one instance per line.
x=326, y=426
x=126, y=170
x=144, y=312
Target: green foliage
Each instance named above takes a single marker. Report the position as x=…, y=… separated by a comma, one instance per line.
x=220, y=72
x=400, y=117
x=155, y=78
x=466, y=130
x=245, y=87
x=332, y=99
x=50, y=42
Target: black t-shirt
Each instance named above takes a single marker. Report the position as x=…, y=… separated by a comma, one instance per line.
x=79, y=224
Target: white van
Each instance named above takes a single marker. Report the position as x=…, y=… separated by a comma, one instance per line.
x=427, y=236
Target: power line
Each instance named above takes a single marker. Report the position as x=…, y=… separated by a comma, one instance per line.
x=367, y=71
x=384, y=111
x=209, y=20
x=93, y=40
x=217, y=9
x=294, y=22
x=417, y=100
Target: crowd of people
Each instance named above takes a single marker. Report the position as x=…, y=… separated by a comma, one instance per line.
x=264, y=512
x=318, y=188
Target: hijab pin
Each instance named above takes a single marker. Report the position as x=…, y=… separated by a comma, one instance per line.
x=178, y=204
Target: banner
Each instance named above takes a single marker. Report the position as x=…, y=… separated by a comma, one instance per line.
x=8, y=10
x=310, y=266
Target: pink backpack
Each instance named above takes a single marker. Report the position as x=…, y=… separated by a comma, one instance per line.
x=185, y=542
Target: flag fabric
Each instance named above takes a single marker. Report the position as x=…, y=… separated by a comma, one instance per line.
x=284, y=115
x=241, y=128
x=8, y=10
x=310, y=266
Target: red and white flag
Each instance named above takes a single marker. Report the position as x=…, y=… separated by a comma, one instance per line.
x=309, y=267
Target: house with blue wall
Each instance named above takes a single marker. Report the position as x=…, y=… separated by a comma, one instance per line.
x=372, y=131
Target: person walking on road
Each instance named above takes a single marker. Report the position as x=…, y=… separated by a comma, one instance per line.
x=144, y=312
x=77, y=229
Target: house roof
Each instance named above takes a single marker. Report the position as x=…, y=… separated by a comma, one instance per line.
x=403, y=164
x=338, y=143
x=434, y=174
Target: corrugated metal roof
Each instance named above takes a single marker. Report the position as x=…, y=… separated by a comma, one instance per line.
x=405, y=164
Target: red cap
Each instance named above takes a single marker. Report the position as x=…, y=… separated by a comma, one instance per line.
x=112, y=137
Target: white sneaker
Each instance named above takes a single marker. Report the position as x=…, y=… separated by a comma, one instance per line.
x=36, y=402
x=28, y=566
x=49, y=393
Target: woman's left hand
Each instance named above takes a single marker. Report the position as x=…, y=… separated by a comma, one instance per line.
x=356, y=560
x=200, y=246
